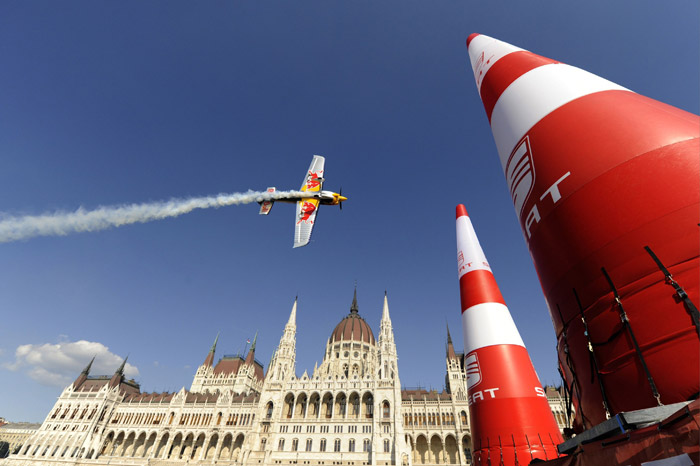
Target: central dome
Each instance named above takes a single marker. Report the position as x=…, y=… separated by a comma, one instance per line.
x=353, y=327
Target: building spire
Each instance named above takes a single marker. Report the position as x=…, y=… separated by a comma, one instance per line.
x=118, y=375
x=86, y=371
x=293, y=315
x=83, y=375
x=353, y=308
x=250, y=358
x=209, y=360
x=120, y=370
x=450, y=347
x=385, y=310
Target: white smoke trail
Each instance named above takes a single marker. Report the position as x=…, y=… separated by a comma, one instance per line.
x=63, y=223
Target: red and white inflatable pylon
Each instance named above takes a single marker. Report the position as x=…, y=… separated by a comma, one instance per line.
x=605, y=186
x=511, y=422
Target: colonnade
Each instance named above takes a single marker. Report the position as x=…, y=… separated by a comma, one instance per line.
x=439, y=450
x=173, y=445
x=338, y=406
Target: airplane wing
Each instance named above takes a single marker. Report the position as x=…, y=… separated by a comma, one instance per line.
x=313, y=181
x=306, y=216
x=307, y=208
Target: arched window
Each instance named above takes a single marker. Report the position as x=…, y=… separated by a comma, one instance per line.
x=309, y=444
x=369, y=405
x=323, y=445
x=387, y=446
x=385, y=409
x=351, y=445
x=295, y=444
x=366, y=446
x=270, y=407
x=336, y=445
x=289, y=405
x=341, y=401
x=280, y=445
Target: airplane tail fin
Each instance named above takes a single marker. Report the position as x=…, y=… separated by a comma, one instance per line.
x=266, y=206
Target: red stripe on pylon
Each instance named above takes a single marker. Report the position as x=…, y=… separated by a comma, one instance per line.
x=462, y=211
x=471, y=37
x=504, y=72
x=509, y=403
x=478, y=287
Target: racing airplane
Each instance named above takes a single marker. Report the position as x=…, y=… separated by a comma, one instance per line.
x=307, y=204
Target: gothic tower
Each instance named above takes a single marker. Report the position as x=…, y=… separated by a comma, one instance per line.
x=283, y=363
x=455, y=379
x=205, y=370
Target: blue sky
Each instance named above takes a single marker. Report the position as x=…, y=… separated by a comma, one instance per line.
x=129, y=102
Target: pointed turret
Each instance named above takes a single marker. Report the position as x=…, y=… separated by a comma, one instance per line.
x=283, y=361
x=385, y=309
x=509, y=415
x=118, y=376
x=450, y=347
x=250, y=359
x=209, y=361
x=83, y=375
x=293, y=315
x=387, y=347
x=86, y=371
x=354, y=309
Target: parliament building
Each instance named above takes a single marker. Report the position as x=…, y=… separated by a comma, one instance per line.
x=351, y=410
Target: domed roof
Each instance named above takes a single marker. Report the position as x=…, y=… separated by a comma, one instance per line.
x=353, y=327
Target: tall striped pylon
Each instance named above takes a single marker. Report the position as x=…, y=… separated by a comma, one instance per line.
x=605, y=185
x=510, y=419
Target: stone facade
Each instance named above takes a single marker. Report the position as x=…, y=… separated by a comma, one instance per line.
x=351, y=410
x=13, y=435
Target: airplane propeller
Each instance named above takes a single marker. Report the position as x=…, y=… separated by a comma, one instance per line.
x=340, y=194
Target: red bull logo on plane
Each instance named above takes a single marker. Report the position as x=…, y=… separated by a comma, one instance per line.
x=313, y=180
x=307, y=209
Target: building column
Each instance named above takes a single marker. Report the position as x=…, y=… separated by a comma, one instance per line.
x=205, y=445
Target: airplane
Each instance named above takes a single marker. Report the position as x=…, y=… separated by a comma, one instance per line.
x=307, y=204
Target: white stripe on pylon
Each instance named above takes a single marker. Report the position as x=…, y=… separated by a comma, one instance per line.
x=470, y=256
x=534, y=95
x=489, y=324
x=484, y=51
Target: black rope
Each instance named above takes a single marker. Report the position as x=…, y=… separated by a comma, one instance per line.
x=593, y=361
x=488, y=449
x=568, y=397
x=574, y=383
x=555, y=445
x=626, y=324
x=544, y=449
x=515, y=450
x=500, y=448
x=690, y=307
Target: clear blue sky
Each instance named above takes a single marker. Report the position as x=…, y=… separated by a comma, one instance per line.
x=106, y=103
